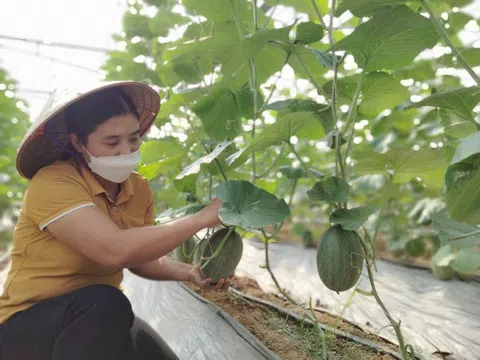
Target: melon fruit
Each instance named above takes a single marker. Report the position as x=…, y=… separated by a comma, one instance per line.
x=226, y=262
x=442, y=272
x=185, y=248
x=339, y=258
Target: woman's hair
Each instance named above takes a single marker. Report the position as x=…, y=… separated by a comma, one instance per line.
x=83, y=117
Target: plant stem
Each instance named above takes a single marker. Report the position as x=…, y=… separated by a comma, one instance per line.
x=220, y=247
x=267, y=170
x=476, y=232
x=311, y=77
x=447, y=41
x=298, y=157
x=255, y=16
x=318, y=13
x=395, y=325
x=237, y=21
x=284, y=293
x=330, y=26
x=292, y=192
x=275, y=85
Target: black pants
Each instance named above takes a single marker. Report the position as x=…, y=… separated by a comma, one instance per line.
x=93, y=323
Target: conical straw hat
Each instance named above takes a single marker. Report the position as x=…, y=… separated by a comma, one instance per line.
x=47, y=139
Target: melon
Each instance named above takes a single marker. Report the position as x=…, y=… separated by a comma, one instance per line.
x=442, y=272
x=183, y=249
x=307, y=239
x=339, y=258
x=226, y=262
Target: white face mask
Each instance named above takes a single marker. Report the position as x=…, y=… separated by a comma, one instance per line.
x=114, y=168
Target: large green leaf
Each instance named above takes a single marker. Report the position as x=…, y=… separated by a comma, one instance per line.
x=331, y=190
x=185, y=181
x=466, y=261
x=458, y=101
x=444, y=256
x=467, y=147
x=381, y=91
x=449, y=229
x=157, y=149
x=165, y=167
x=462, y=193
x=308, y=32
x=390, y=39
x=280, y=131
x=362, y=8
x=352, y=219
x=429, y=165
x=404, y=165
x=253, y=43
x=221, y=111
x=246, y=205
x=455, y=126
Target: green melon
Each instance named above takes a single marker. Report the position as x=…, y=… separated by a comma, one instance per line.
x=442, y=272
x=307, y=239
x=416, y=247
x=226, y=262
x=185, y=248
x=339, y=259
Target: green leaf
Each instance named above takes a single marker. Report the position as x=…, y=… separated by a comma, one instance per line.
x=466, y=261
x=280, y=131
x=462, y=193
x=455, y=126
x=308, y=32
x=246, y=205
x=292, y=173
x=361, y=8
x=429, y=165
x=459, y=101
x=221, y=111
x=253, y=43
x=186, y=180
x=467, y=147
x=331, y=190
x=381, y=91
x=162, y=167
x=352, y=219
x=156, y=149
x=449, y=228
x=186, y=184
x=325, y=58
x=390, y=39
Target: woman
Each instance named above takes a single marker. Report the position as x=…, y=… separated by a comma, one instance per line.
x=85, y=217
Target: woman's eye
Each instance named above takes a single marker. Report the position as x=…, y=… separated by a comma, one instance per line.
x=113, y=144
x=134, y=140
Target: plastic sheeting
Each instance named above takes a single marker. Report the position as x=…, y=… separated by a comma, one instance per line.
x=194, y=328
x=433, y=313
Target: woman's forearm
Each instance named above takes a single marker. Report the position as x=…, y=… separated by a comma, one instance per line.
x=138, y=246
x=165, y=269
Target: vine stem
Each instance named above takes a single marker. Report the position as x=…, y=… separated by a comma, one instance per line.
x=447, y=41
x=298, y=157
x=311, y=77
x=288, y=297
x=318, y=13
x=267, y=170
x=220, y=247
x=374, y=293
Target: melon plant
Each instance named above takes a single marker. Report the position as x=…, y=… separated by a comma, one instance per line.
x=222, y=264
x=185, y=252
x=339, y=259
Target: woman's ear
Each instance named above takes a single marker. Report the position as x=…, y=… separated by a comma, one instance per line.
x=76, y=143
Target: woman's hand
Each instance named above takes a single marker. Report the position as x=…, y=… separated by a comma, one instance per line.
x=209, y=213
x=195, y=276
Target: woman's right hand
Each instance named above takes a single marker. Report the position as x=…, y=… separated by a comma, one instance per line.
x=209, y=213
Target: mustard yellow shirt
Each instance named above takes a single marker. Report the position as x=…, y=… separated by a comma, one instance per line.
x=42, y=265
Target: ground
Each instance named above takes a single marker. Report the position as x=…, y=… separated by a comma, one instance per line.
x=287, y=337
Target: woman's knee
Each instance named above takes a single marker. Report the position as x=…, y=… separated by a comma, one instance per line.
x=108, y=301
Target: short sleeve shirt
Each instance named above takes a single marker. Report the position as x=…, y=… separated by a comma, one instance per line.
x=43, y=266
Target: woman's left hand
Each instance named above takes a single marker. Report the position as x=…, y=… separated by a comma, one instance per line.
x=196, y=277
